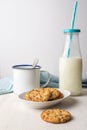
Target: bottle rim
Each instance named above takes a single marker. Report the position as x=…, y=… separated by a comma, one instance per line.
x=72, y=30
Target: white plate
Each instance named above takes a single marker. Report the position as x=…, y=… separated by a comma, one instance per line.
x=46, y=104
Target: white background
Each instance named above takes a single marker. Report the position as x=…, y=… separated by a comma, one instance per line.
x=34, y=28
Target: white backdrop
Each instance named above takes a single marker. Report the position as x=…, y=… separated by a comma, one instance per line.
x=34, y=28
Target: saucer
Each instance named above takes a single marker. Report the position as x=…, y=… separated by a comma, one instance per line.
x=46, y=104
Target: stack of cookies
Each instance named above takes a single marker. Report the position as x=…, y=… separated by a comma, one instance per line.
x=43, y=94
x=49, y=94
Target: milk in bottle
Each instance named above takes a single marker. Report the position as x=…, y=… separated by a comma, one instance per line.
x=70, y=64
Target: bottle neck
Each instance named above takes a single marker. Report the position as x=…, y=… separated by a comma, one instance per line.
x=72, y=46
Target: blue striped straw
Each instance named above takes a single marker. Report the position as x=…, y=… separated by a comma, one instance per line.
x=72, y=25
x=74, y=14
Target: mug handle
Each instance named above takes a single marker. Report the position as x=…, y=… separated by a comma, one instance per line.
x=49, y=77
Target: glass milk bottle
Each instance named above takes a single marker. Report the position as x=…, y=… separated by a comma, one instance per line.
x=70, y=64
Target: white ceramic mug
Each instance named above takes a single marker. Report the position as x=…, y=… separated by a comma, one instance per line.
x=26, y=78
